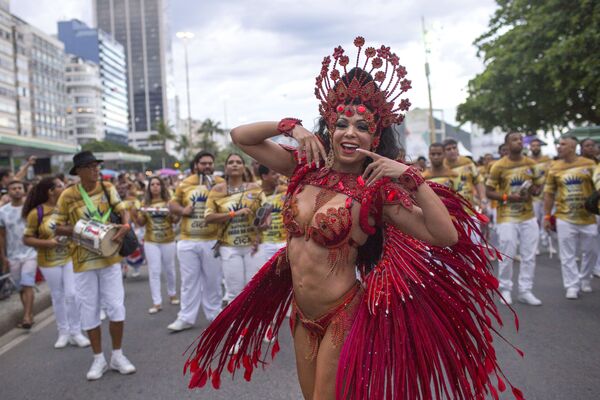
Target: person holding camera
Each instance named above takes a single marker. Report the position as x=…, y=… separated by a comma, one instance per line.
x=511, y=182
x=233, y=205
x=98, y=279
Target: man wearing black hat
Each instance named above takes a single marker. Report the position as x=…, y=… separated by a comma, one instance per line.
x=98, y=279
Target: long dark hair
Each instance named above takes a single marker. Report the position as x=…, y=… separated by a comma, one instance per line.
x=38, y=195
x=370, y=252
x=244, y=177
x=164, y=192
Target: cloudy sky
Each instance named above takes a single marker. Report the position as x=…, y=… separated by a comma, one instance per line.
x=256, y=59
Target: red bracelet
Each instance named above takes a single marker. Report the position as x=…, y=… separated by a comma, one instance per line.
x=287, y=125
x=411, y=179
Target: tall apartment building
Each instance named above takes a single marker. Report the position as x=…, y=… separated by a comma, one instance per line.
x=85, y=113
x=8, y=92
x=46, y=66
x=141, y=27
x=33, y=97
x=96, y=46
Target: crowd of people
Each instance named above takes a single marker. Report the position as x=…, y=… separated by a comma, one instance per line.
x=374, y=267
x=223, y=227
x=219, y=230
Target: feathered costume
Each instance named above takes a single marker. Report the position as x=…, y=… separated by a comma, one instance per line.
x=423, y=328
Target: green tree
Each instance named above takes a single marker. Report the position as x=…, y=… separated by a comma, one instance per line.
x=207, y=131
x=541, y=69
x=183, y=146
x=107, y=146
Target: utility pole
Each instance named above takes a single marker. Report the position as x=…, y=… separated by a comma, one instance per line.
x=427, y=72
x=185, y=37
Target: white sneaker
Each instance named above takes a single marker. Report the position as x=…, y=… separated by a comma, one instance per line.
x=586, y=287
x=98, y=368
x=507, y=296
x=62, y=341
x=154, y=309
x=529, y=298
x=179, y=326
x=79, y=340
x=572, y=293
x=122, y=364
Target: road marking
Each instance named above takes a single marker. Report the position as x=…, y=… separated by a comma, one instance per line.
x=13, y=338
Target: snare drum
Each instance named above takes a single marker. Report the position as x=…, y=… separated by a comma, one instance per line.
x=156, y=211
x=96, y=237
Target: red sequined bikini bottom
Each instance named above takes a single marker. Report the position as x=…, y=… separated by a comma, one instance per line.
x=339, y=317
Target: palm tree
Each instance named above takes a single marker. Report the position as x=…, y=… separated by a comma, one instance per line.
x=183, y=146
x=162, y=135
x=207, y=131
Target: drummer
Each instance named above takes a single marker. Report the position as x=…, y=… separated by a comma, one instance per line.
x=97, y=279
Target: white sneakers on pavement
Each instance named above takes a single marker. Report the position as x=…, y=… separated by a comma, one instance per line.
x=120, y=363
x=507, y=296
x=79, y=340
x=62, y=342
x=179, y=326
x=529, y=298
x=98, y=368
x=586, y=287
x=572, y=293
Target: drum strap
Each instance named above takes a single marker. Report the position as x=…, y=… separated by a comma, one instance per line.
x=96, y=216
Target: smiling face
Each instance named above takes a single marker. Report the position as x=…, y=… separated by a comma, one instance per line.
x=350, y=134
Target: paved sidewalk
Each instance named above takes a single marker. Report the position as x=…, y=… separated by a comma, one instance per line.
x=11, y=310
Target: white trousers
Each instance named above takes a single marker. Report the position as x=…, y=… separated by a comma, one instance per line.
x=61, y=281
x=100, y=288
x=238, y=268
x=201, y=277
x=538, y=210
x=160, y=257
x=511, y=235
x=265, y=252
x=597, y=265
x=569, y=235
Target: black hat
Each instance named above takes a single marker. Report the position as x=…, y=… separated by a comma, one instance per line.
x=82, y=159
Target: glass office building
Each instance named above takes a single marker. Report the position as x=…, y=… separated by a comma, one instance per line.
x=97, y=46
x=140, y=26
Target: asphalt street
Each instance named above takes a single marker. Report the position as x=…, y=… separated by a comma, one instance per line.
x=561, y=341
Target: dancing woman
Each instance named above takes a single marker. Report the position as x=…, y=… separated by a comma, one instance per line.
x=54, y=260
x=159, y=240
x=232, y=205
x=418, y=324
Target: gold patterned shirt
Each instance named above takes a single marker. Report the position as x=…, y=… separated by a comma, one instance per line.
x=46, y=230
x=507, y=177
x=571, y=183
x=468, y=174
x=71, y=208
x=239, y=231
x=192, y=192
x=159, y=228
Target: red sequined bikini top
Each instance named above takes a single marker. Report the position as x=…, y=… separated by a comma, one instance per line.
x=332, y=228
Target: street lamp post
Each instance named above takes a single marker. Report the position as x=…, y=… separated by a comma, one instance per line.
x=185, y=37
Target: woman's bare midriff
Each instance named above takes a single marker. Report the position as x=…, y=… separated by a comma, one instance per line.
x=318, y=288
